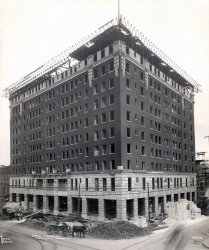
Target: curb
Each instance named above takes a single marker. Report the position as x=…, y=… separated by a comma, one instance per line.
x=206, y=243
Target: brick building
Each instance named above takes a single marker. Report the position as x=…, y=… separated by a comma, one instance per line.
x=95, y=128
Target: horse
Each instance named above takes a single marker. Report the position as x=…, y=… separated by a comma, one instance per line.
x=79, y=230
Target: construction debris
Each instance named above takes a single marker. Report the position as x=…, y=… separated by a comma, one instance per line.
x=11, y=207
x=140, y=222
x=117, y=230
x=41, y=221
x=182, y=210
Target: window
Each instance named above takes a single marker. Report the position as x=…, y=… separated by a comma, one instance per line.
x=129, y=184
x=103, y=85
x=128, y=99
x=128, y=148
x=95, y=57
x=110, y=49
x=86, y=122
x=111, y=83
x=96, y=120
x=152, y=152
x=104, y=149
x=87, y=184
x=104, y=165
x=86, y=78
x=143, y=150
x=112, y=184
x=86, y=137
x=142, y=136
x=127, y=50
x=104, y=180
x=112, y=115
x=153, y=183
x=158, y=183
x=95, y=73
x=128, y=83
x=142, y=121
x=150, y=82
x=111, y=99
x=128, y=133
x=127, y=67
x=104, y=133
x=112, y=132
x=142, y=76
x=142, y=105
x=142, y=91
x=111, y=66
x=143, y=165
x=96, y=135
x=102, y=53
x=96, y=184
x=103, y=102
x=96, y=104
x=103, y=69
x=71, y=184
x=95, y=89
x=112, y=148
x=96, y=150
x=128, y=115
x=112, y=164
x=144, y=183
x=104, y=117
x=85, y=107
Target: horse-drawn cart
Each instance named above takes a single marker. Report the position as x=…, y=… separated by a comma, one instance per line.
x=66, y=228
x=62, y=228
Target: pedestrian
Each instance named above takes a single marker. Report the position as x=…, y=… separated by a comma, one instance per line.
x=175, y=240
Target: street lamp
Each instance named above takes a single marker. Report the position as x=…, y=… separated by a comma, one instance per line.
x=148, y=201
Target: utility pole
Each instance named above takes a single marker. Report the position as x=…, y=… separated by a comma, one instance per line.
x=148, y=202
x=79, y=194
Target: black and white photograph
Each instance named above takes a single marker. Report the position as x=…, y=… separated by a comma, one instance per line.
x=104, y=124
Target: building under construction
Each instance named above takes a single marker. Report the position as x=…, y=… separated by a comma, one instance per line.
x=105, y=129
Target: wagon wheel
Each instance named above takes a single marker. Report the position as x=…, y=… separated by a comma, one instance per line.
x=49, y=230
x=65, y=233
x=56, y=230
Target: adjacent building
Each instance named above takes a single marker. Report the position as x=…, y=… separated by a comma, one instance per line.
x=4, y=181
x=202, y=179
x=105, y=129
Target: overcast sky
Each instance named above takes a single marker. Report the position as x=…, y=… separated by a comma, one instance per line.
x=31, y=32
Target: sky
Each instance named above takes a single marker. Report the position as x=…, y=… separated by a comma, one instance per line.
x=32, y=32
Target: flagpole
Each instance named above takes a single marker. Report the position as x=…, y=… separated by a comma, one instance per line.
x=118, y=11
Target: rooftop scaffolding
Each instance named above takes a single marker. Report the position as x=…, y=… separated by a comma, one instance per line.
x=116, y=28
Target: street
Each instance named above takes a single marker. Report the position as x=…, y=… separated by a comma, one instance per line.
x=21, y=237
x=25, y=238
